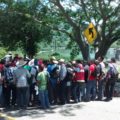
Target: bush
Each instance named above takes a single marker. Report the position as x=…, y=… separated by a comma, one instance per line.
x=2, y=52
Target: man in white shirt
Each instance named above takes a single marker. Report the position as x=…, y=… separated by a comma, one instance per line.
x=112, y=76
x=101, y=78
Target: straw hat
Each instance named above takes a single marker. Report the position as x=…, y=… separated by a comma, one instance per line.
x=62, y=60
x=10, y=53
x=53, y=58
x=31, y=62
x=55, y=61
x=21, y=63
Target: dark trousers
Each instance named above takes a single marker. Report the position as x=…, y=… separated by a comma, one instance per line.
x=33, y=96
x=110, y=88
x=68, y=93
x=75, y=88
x=22, y=96
x=9, y=93
x=100, y=89
x=61, y=91
x=53, y=93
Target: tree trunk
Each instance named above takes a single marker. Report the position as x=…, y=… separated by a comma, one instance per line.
x=85, y=52
x=103, y=48
x=84, y=48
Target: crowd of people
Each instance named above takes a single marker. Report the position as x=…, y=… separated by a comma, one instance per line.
x=25, y=82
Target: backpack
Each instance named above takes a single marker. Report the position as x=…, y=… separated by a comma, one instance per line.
x=30, y=80
x=69, y=75
x=114, y=73
x=8, y=75
x=54, y=73
x=36, y=72
x=94, y=73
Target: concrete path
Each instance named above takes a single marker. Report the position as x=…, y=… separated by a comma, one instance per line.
x=94, y=110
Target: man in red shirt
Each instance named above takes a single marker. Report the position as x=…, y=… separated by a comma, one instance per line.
x=91, y=84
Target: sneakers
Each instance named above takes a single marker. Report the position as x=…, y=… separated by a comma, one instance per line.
x=108, y=99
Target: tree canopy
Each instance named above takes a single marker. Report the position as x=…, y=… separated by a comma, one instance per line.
x=105, y=15
x=24, y=23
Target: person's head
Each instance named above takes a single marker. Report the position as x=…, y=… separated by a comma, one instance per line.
x=78, y=61
x=52, y=59
x=9, y=53
x=41, y=67
x=97, y=62
x=2, y=61
x=69, y=65
x=113, y=60
x=21, y=63
x=61, y=61
x=92, y=62
x=35, y=61
x=100, y=59
x=55, y=62
x=73, y=63
x=85, y=63
x=16, y=55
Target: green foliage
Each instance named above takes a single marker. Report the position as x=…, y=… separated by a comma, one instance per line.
x=55, y=54
x=23, y=24
x=78, y=14
x=2, y=52
x=74, y=53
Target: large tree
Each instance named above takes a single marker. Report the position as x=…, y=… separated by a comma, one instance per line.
x=23, y=24
x=76, y=13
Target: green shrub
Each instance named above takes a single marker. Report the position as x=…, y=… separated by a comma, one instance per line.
x=3, y=52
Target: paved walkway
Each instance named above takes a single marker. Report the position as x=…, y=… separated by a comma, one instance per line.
x=94, y=110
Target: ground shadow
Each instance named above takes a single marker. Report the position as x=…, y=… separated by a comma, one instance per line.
x=37, y=112
x=68, y=110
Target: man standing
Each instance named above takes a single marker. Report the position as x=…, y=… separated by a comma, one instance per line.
x=100, y=78
x=62, y=81
x=21, y=76
x=112, y=76
x=79, y=82
x=9, y=86
x=91, y=83
x=53, y=70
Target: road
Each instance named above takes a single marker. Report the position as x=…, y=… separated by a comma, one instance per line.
x=94, y=110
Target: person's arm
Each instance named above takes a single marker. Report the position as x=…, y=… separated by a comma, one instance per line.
x=28, y=74
x=38, y=79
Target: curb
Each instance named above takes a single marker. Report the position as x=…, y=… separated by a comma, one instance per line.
x=5, y=117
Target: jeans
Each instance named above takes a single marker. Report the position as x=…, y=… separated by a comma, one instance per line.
x=1, y=97
x=91, y=90
x=74, y=91
x=110, y=84
x=78, y=91
x=43, y=96
x=100, y=89
x=81, y=91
